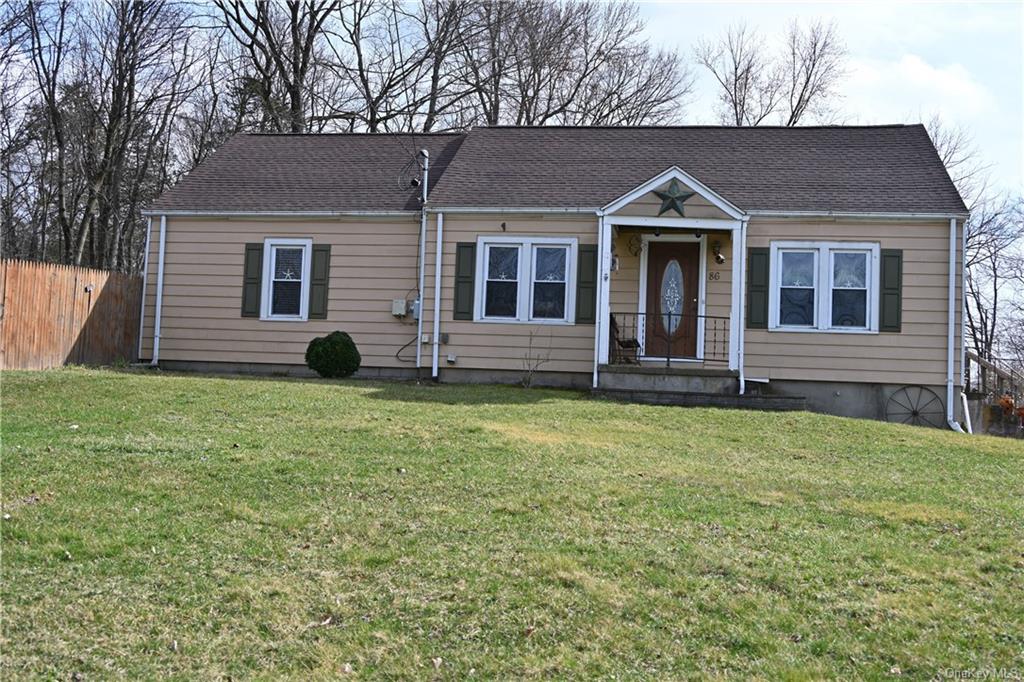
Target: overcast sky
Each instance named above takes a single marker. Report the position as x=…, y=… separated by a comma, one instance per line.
x=907, y=61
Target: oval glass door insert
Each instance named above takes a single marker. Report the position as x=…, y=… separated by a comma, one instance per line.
x=672, y=296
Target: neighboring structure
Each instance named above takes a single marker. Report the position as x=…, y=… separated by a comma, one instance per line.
x=820, y=262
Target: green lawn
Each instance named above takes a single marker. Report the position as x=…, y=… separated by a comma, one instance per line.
x=190, y=526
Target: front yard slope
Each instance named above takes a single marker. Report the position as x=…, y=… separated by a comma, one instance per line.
x=180, y=525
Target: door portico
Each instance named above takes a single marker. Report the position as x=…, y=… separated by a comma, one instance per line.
x=630, y=230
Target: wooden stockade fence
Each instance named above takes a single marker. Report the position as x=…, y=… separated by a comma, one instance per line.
x=54, y=315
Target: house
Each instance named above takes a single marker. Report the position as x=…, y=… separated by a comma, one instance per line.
x=819, y=262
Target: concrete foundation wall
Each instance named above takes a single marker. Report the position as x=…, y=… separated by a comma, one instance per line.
x=849, y=399
x=274, y=369
x=629, y=378
x=454, y=375
x=846, y=399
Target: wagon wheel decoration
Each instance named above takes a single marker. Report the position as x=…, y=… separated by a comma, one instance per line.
x=915, y=405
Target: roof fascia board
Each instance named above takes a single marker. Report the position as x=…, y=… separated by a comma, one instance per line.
x=867, y=215
x=512, y=209
x=677, y=173
x=677, y=223
x=283, y=214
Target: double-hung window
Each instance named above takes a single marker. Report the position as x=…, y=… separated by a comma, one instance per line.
x=824, y=286
x=286, y=270
x=525, y=279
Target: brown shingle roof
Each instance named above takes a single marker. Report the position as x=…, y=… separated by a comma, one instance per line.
x=870, y=169
x=311, y=173
x=884, y=169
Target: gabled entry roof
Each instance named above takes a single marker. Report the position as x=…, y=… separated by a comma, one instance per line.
x=866, y=169
x=678, y=175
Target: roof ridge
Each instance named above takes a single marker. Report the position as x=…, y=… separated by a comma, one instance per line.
x=353, y=134
x=873, y=126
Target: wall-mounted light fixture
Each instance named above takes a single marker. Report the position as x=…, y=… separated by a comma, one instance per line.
x=716, y=248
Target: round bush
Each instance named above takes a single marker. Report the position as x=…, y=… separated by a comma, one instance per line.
x=333, y=356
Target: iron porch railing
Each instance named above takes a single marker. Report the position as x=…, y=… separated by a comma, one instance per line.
x=667, y=337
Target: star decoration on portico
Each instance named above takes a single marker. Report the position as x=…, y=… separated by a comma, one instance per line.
x=673, y=199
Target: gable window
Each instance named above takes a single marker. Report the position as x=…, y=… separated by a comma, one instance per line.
x=286, y=270
x=824, y=286
x=525, y=279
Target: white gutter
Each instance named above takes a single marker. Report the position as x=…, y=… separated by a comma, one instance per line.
x=422, y=259
x=598, y=315
x=848, y=214
x=951, y=339
x=512, y=209
x=284, y=214
x=741, y=336
x=437, y=295
x=159, y=291
x=145, y=267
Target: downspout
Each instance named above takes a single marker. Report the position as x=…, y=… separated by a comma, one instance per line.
x=951, y=339
x=740, y=337
x=422, y=264
x=967, y=413
x=598, y=316
x=437, y=296
x=145, y=268
x=159, y=291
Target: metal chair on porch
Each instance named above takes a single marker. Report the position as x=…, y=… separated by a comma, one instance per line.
x=625, y=346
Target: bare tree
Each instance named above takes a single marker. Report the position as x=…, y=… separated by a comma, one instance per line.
x=575, y=62
x=385, y=54
x=749, y=80
x=108, y=79
x=758, y=86
x=281, y=42
x=995, y=233
x=813, y=68
x=961, y=158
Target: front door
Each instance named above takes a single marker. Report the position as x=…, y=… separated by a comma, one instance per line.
x=670, y=328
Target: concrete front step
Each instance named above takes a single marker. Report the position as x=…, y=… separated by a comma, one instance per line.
x=651, y=378
x=775, y=403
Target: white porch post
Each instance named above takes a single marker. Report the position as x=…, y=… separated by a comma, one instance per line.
x=735, y=311
x=598, y=326
x=741, y=306
x=604, y=290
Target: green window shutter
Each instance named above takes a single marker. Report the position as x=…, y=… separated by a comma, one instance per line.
x=758, y=267
x=319, y=281
x=890, y=317
x=465, y=276
x=586, y=284
x=252, y=280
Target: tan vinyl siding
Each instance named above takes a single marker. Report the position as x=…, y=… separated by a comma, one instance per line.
x=916, y=355
x=498, y=345
x=372, y=262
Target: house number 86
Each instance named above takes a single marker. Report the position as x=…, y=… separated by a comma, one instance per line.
x=714, y=276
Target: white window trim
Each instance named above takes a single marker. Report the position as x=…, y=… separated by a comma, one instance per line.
x=267, y=284
x=823, y=285
x=524, y=302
